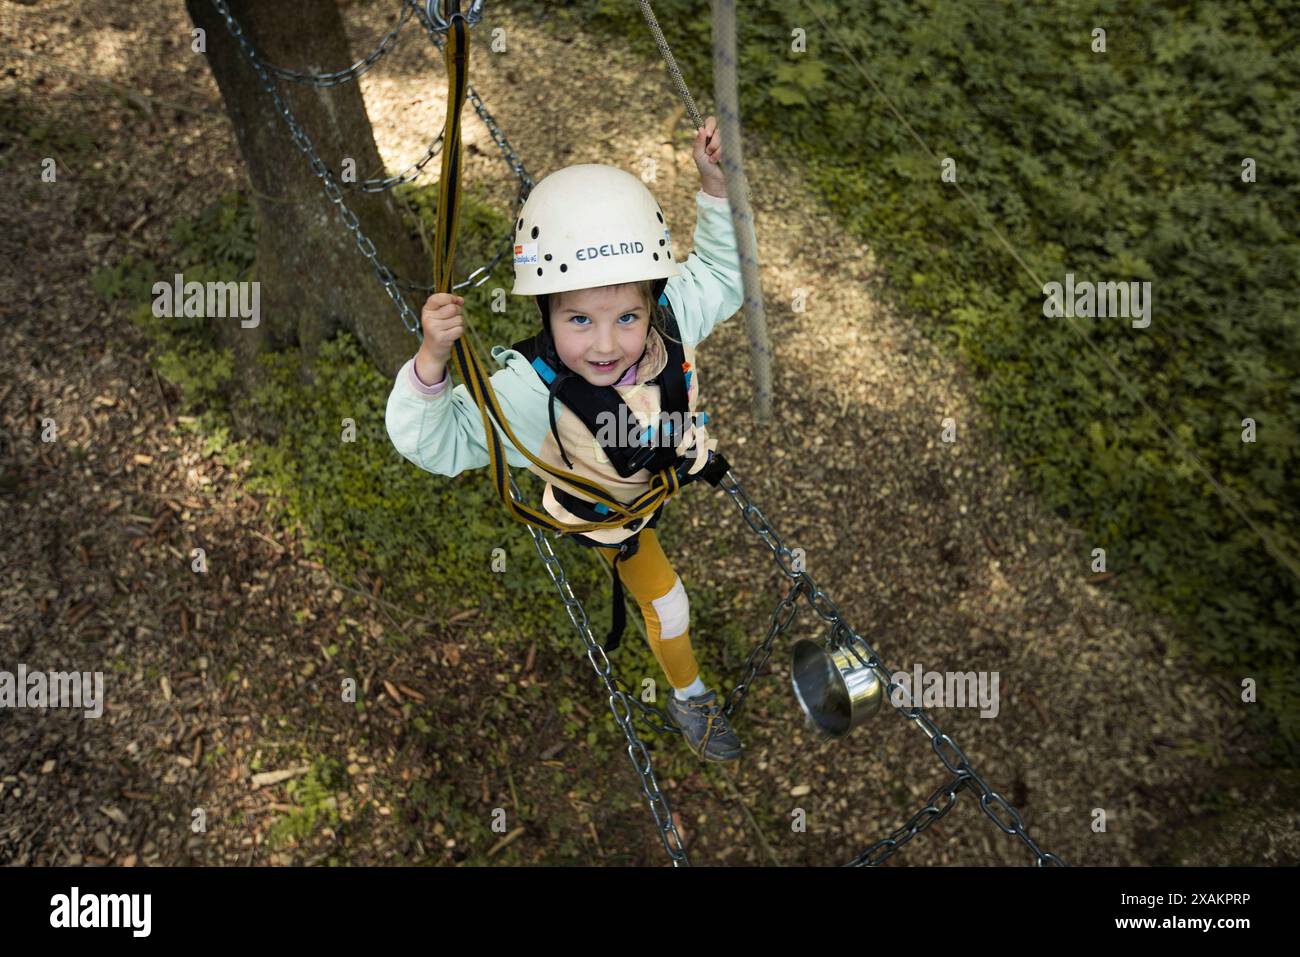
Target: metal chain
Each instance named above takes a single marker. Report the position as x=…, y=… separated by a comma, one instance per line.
x=472, y=16
x=724, y=27
x=919, y=822
x=953, y=758
x=483, y=272
x=377, y=184
x=352, y=72
x=655, y=718
x=499, y=137
x=330, y=185
x=788, y=605
x=412, y=172
x=621, y=703
x=480, y=275
x=392, y=285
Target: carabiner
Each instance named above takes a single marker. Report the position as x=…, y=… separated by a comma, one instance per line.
x=442, y=25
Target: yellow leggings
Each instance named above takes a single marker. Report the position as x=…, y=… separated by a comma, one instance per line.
x=662, y=599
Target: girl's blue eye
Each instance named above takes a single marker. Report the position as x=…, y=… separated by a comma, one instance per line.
x=625, y=315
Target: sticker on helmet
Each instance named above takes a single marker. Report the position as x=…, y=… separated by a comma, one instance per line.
x=525, y=253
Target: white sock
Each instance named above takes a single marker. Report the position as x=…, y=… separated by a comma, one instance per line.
x=696, y=687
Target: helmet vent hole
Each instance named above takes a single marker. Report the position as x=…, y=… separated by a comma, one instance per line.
x=661, y=242
x=534, y=232
x=548, y=257
x=656, y=255
x=539, y=270
x=564, y=267
x=660, y=215
x=521, y=224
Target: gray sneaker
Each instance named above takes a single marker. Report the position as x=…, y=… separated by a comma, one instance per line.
x=704, y=727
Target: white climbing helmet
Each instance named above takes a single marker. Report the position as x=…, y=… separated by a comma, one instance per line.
x=590, y=225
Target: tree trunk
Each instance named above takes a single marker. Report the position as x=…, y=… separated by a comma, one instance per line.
x=314, y=279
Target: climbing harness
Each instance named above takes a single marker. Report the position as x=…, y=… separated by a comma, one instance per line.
x=652, y=448
x=842, y=640
x=662, y=486
x=597, y=406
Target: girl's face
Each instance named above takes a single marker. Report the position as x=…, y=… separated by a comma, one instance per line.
x=599, y=333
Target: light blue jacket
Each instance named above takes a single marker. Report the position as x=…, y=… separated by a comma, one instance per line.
x=441, y=430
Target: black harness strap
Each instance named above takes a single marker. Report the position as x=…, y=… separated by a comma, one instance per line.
x=599, y=407
x=615, y=637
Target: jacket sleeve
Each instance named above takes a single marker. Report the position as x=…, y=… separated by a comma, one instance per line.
x=440, y=429
x=710, y=289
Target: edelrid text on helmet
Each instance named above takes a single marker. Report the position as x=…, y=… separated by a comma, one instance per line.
x=591, y=252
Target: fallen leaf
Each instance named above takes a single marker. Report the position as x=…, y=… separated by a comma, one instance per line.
x=275, y=777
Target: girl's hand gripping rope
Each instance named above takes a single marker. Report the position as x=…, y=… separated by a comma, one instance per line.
x=708, y=159
x=443, y=324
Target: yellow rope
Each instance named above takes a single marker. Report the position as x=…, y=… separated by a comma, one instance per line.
x=665, y=483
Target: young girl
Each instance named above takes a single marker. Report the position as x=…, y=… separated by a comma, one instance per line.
x=620, y=320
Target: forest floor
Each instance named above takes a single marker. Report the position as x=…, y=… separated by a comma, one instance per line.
x=933, y=550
